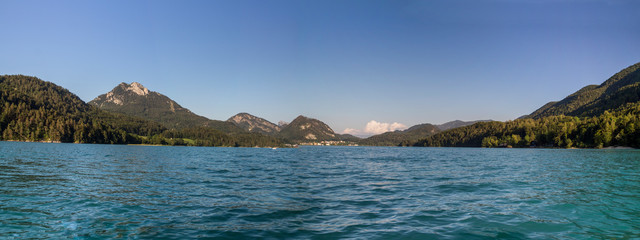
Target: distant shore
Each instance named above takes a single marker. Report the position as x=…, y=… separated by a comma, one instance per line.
x=43, y=141
x=295, y=146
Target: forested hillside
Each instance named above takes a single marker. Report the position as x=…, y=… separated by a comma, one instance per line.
x=136, y=100
x=457, y=124
x=593, y=100
x=304, y=129
x=620, y=127
x=397, y=138
x=36, y=110
x=593, y=117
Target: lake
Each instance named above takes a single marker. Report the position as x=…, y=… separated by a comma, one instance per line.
x=150, y=192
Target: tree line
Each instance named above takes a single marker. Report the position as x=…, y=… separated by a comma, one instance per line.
x=35, y=110
x=620, y=127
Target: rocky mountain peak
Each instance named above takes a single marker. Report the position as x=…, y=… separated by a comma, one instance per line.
x=137, y=88
x=118, y=95
x=136, y=100
x=254, y=124
x=134, y=87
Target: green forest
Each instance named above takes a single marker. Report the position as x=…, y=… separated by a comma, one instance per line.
x=620, y=89
x=399, y=137
x=36, y=110
x=596, y=116
x=620, y=127
x=161, y=109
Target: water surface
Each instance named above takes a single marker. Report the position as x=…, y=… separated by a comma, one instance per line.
x=149, y=192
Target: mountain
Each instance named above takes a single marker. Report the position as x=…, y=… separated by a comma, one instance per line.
x=595, y=116
x=348, y=138
x=304, y=129
x=592, y=100
x=413, y=134
x=457, y=124
x=397, y=138
x=136, y=100
x=316, y=128
x=614, y=127
x=36, y=110
x=252, y=123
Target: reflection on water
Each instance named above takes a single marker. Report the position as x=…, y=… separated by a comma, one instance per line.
x=103, y=191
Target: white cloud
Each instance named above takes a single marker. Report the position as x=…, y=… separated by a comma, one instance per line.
x=351, y=131
x=375, y=127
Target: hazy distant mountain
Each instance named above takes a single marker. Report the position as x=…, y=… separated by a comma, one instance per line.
x=592, y=100
x=136, y=100
x=252, y=123
x=307, y=130
x=304, y=129
x=457, y=124
x=398, y=137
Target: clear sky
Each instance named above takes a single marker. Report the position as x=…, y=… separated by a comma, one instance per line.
x=346, y=63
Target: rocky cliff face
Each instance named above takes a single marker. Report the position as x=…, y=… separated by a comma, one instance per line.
x=120, y=94
x=254, y=124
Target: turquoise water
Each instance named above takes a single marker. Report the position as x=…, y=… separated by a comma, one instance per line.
x=104, y=191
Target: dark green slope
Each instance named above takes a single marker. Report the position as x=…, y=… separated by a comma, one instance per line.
x=457, y=124
x=618, y=127
x=594, y=116
x=35, y=110
x=398, y=138
x=304, y=129
x=468, y=136
x=136, y=100
x=593, y=100
x=348, y=138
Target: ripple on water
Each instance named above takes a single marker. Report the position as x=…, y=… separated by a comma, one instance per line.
x=101, y=191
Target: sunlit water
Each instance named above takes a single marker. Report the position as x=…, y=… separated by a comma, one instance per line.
x=105, y=191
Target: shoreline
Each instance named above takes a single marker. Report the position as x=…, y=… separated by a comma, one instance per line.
x=138, y=144
x=276, y=147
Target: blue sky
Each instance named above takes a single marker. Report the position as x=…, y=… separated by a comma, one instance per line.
x=346, y=63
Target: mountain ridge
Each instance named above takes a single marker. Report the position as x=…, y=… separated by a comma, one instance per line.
x=457, y=123
x=305, y=129
x=591, y=100
x=253, y=123
x=136, y=100
x=37, y=110
x=401, y=137
x=595, y=116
